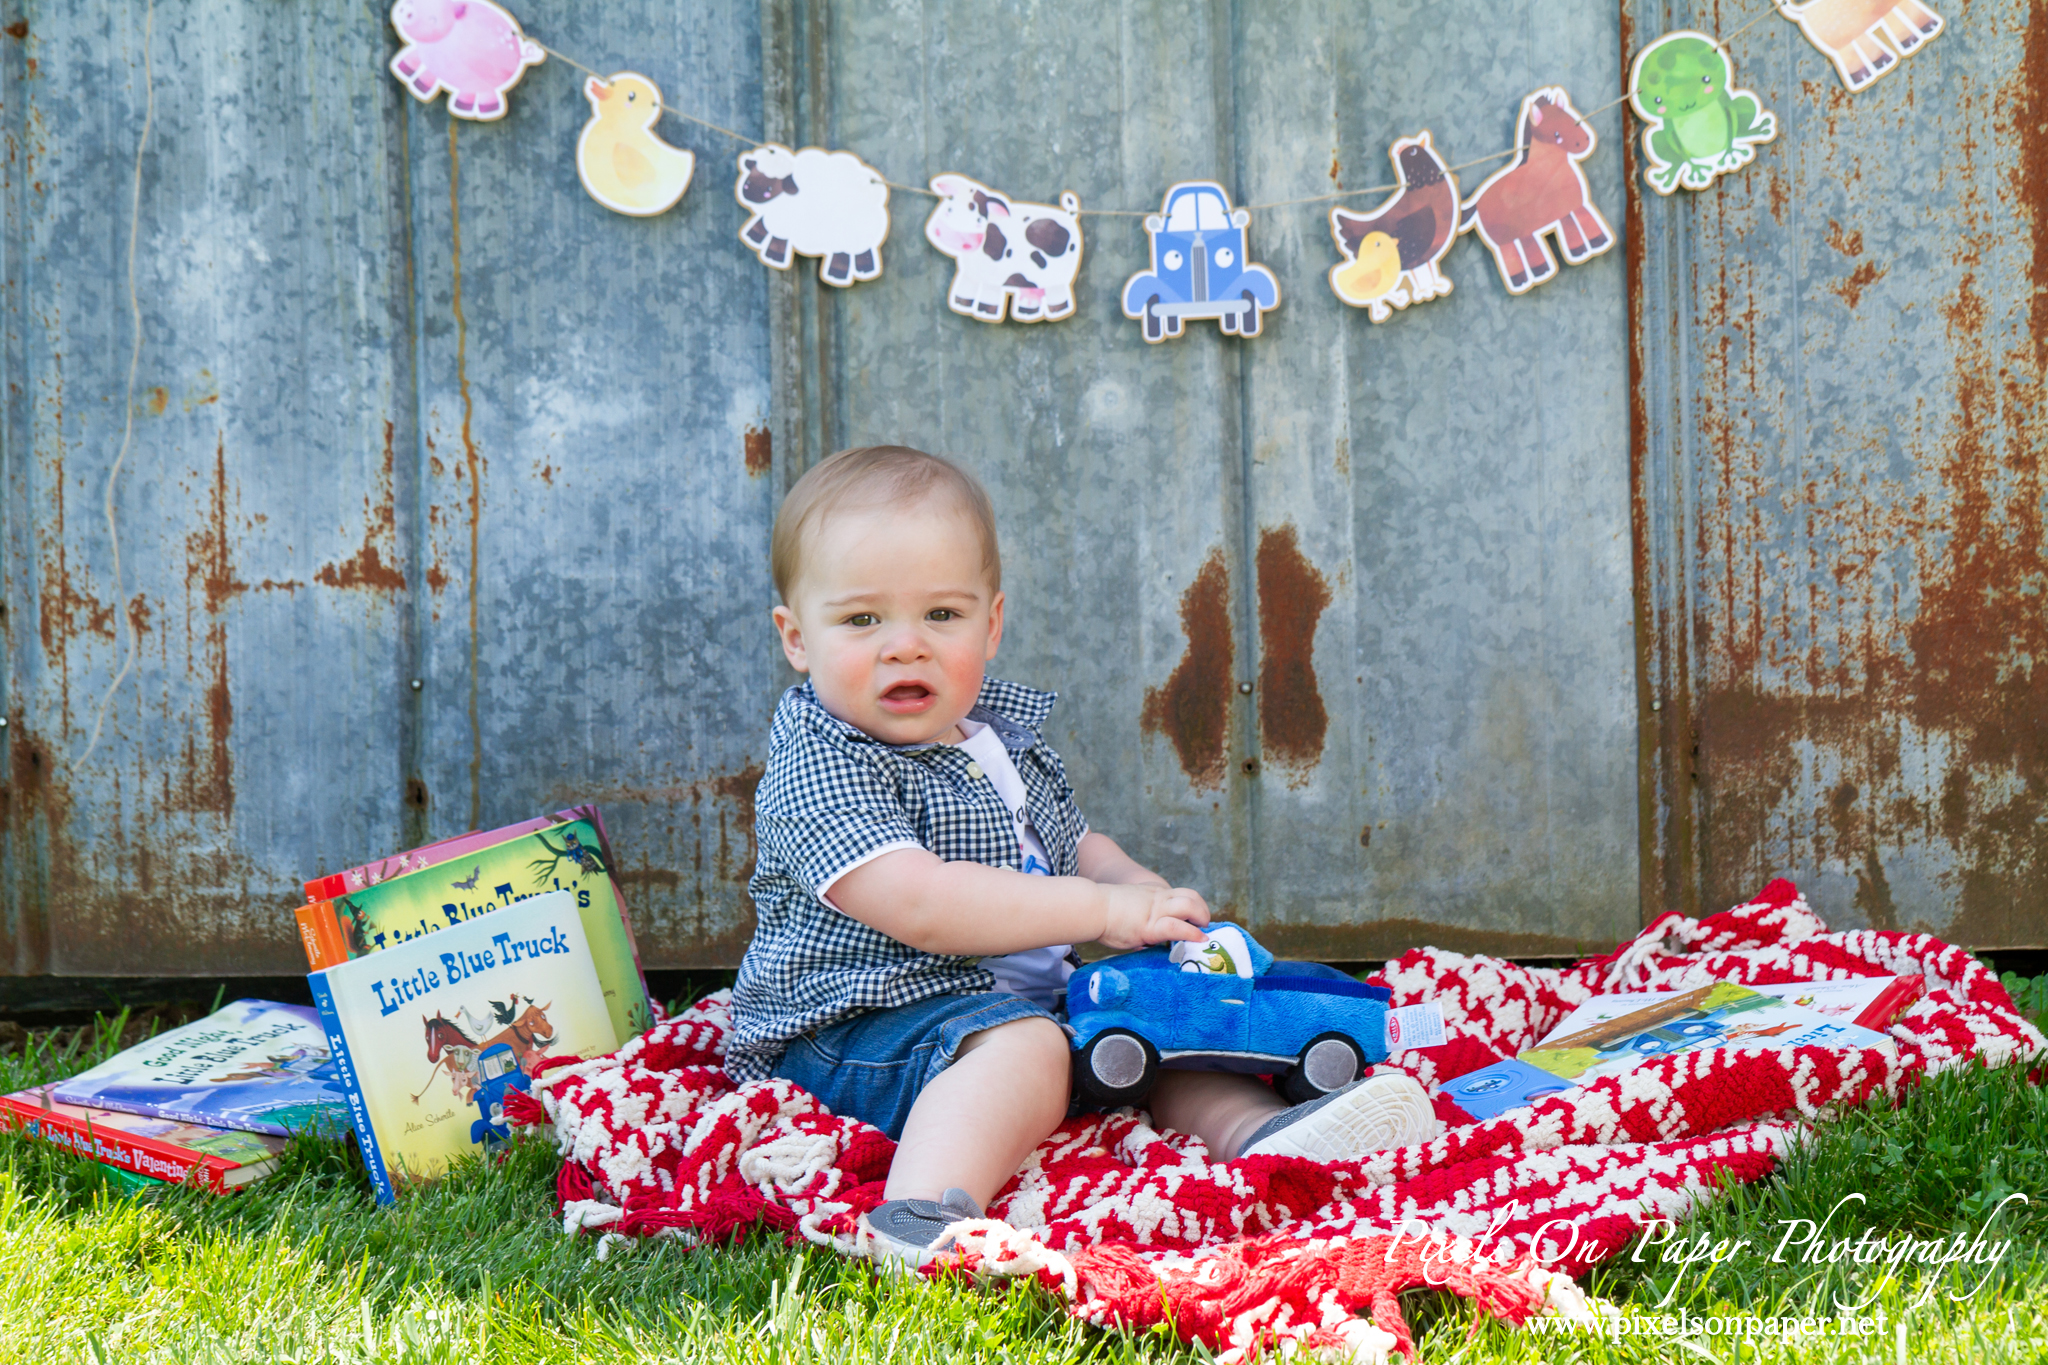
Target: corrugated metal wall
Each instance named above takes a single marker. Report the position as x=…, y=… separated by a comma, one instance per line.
x=410, y=406
x=1845, y=584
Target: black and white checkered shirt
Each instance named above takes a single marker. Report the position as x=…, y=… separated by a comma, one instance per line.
x=833, y=795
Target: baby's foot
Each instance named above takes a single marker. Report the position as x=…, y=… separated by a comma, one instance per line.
x=912, y=1231
x=1366, y=1116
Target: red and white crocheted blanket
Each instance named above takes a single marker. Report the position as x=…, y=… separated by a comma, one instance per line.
x=1135, y=1226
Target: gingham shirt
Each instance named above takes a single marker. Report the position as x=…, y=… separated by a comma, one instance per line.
x=834, y=794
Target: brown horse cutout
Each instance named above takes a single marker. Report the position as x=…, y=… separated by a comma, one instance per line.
x=450, y=1047
x=1541, y=191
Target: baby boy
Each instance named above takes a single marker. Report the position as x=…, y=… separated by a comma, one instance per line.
x=924, y=871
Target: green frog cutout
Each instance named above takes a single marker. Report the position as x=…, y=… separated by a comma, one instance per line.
x=1701, y=126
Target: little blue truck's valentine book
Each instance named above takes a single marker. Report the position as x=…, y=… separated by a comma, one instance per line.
x=221, y=1159
x=1605, y=1041
x=571, y=857
x=431, y=1034
x=255, y=1065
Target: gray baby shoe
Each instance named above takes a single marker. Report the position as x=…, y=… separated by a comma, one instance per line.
x=913, y=1231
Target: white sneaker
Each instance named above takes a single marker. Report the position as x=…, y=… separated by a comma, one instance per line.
x=1366, y=1116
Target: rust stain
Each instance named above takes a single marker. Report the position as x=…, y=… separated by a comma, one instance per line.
x=1778, y=198
x=18, y=30
x=1293, y=594
x=474, y=464
x=437, y=577
x=159, y=399
x=756, y=450
x=546, y=473
x=208, y=782
x=1850, y=288
x=1848, y=243
x=2030, y=173
x=366, y=568
x=1193, y=709
x=1336, y=170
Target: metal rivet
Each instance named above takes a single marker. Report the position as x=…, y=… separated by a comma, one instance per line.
x=417, y=684
x=1656, y=706
x=1251, y=766
x=1245, y=688
x=3, y=722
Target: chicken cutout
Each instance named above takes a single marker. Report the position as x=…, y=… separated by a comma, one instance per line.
x=1391, y=254
x=812, y=202
x=1541, y=191
x=1700, y=125
x=622, y=163
x=471, y=48
x=1865, y=39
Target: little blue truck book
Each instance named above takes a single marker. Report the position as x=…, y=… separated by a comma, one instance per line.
x=429, y=1036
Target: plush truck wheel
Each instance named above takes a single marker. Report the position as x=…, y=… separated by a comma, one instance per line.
x=1117, y=1067
x=1331, y=1061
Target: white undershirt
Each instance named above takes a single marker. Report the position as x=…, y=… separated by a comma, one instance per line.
x=1039, y=974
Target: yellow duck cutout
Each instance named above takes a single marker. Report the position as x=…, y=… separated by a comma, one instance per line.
x=622, y=163
x=1373, y=277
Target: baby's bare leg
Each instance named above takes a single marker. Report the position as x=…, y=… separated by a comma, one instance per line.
x=973, y=1126
x=1219, y=1107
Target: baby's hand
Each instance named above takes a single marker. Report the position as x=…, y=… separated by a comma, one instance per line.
x=1139, y=916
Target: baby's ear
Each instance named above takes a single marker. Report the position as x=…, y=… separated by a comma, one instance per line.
x=790, y=632
x=995, y=625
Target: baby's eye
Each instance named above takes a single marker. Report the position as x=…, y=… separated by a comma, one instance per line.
x=863, y=619
x=940, y=614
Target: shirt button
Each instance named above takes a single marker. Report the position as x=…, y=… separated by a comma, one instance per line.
x=974, y=770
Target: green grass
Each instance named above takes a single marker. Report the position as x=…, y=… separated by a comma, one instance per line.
x=305, y=1268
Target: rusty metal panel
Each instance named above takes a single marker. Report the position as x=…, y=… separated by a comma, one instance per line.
x=1432, y=616
x=594, y=468
x=1437, y=514
x=1839, y=493
x=256, y=621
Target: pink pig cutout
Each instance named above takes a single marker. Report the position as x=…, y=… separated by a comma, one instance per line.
x=471, y=48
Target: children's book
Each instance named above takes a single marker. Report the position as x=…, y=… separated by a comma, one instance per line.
x=440, y=851
x=431, y=1034
x=255, y=1065
x=222, y=1159
x=572, y=857
x=1716, y=1016
x=1870, y=1001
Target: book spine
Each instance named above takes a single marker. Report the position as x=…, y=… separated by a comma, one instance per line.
x=320, y=932
x=604, y=847
x=145, y=1156
x=358, y=1111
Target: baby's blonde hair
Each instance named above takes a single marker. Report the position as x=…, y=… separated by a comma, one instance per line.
x=877, y=476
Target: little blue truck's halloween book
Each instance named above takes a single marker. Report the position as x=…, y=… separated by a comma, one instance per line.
x=222, y=1159
x=572, y=857
x=255, y=1065
x=440, y=851
x=1599, y=1041
x=431, y=1034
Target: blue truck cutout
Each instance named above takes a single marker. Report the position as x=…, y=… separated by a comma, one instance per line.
x=1201, y=267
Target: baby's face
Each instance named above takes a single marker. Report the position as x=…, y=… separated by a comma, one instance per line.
x=893, y=619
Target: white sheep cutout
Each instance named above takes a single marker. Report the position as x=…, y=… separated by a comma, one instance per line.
x=831, y=205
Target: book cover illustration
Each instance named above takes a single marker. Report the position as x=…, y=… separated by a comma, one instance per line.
x=431, y=1034
x=223, y=1159
x=1720, y=1015
x=572, y=857
x=1871, y=1001
x=255, y=1064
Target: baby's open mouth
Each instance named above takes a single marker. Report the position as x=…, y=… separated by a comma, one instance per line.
x=906, y=695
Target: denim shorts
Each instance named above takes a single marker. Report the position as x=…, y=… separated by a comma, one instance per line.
x=872, y=1066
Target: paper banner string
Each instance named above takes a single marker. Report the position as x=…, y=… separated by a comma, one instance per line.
x=1788, y=11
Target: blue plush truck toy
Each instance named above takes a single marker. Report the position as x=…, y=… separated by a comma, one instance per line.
x=1223, y=1004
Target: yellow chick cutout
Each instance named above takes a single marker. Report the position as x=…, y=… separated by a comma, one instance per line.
x=1373, y=276
x=622, y=163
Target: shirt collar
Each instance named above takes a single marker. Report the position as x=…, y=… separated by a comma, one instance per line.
x=1015, y=712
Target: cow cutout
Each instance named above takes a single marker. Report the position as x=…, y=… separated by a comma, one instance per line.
x=1010, y=258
